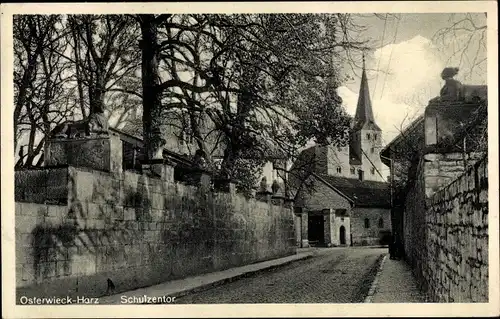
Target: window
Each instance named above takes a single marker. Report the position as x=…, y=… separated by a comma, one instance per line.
x=339, y=170
x=372, y=170
x=380, y=223
x=374, y=137
x=367, y=223
x=372, y=150
x=368, y=136
x=353, y=171
x=360, y=175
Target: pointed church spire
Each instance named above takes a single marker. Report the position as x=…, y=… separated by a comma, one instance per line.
x=364, y=112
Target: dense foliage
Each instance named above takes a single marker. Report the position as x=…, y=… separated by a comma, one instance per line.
x=266, y=82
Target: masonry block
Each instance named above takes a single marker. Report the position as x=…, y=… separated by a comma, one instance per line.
x=102, y=153
x=105, y=212
x=445, y=241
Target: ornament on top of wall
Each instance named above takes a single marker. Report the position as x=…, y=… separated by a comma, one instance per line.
x=263, y=184
x=452, y=88
x=199, y=159
x=96, y=124
x=275, y=187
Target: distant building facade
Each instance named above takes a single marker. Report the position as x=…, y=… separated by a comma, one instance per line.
x=180, y=144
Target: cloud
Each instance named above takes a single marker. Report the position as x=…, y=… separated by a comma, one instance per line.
x=401, y=95
x=412, y=66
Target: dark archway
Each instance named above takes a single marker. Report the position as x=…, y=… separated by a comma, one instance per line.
x=342, y=235
x=316, y=230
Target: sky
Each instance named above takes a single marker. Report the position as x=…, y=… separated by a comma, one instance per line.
x=404, y=67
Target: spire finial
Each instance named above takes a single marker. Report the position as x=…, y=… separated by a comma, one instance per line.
x=363, y=60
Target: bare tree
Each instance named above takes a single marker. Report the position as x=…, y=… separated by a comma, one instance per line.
x=105, y=59
x=40, y=79
x=465, y=37
x=70, y=66
x=33, y=34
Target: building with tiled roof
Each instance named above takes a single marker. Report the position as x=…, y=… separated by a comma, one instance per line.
x=341, y=196
x=363, y=193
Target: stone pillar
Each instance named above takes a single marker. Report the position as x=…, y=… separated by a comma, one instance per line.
x=224, y=185
x=444, y=120
x=334, y=229
x=162, y=168
x=298, y=229
x=288, y=202
x=198, y=177
x=444, y=148
x=278, y=199
x=264, y=196
x=304, y=230
x=327, y=215
x=100, y=152
x=430, y=125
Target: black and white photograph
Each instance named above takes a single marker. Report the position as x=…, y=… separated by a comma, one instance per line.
x=249, y=155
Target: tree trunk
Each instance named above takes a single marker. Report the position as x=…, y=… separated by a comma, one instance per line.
x=23, y=92
x=81, y=98
x=31, y=140
x=232, y=152
x=151, y=92
x=98, y=90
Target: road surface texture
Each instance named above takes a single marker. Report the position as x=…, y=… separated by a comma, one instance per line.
x=333, y=275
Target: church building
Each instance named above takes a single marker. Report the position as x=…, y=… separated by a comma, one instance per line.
x=342, y=198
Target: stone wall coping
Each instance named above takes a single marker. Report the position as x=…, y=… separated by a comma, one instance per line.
x=266, y=192
x=157, y=161
x=41, y=168
x=198, y=170
x=443, y=147
x=278, y=196
x=445, y=105
x=223, y=179
x=85, y=138
x=264, y=196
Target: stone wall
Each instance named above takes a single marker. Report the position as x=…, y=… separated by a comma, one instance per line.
x=78, y=227
x=319, y=196
x=457, y=239
x=414, y=226
x=373, y=235
x=440, y=170
x=446, y=236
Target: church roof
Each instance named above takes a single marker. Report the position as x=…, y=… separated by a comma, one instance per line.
x=363, y=193
x=364, y=113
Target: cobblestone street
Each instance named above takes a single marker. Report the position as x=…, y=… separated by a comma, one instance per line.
x=333, y=275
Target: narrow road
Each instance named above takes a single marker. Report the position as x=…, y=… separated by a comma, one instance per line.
x=333, y=275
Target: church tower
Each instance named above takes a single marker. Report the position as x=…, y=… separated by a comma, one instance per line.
x=366, y=137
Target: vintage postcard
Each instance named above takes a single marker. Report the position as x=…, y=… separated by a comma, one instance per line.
x=253, y=159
